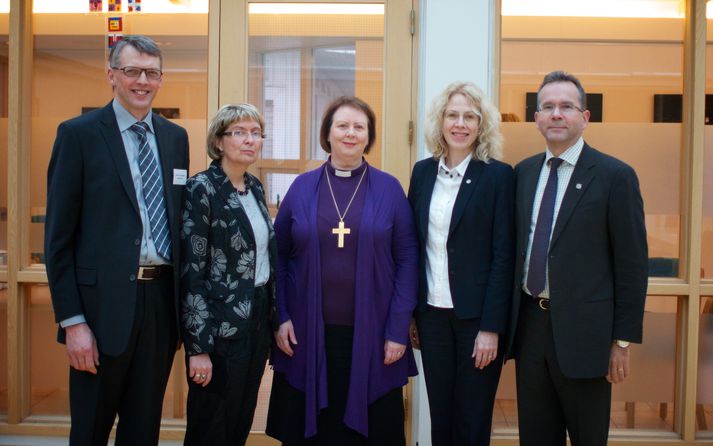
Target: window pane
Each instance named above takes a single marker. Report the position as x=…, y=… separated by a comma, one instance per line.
x=645, y=400
x=704, y=399
x=69, y=78
x=301, y=57
x=49, y=367
x=707, y=224
x=632, y=70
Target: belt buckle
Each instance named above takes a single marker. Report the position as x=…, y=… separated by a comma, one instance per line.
x=142, y=270
x=543, y=303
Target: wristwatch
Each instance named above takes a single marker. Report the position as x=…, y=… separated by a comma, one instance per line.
x=622, y=344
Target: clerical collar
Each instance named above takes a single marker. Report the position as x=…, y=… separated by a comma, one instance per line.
x=345, y=173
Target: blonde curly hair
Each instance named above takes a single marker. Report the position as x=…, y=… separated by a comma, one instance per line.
x=488, y=144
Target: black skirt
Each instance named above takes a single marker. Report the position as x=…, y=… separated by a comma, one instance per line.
x=286, y=415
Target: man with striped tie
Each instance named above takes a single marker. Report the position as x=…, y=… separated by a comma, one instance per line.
x=114, y=190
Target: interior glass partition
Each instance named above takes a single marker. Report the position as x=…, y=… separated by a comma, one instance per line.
x=630, y=62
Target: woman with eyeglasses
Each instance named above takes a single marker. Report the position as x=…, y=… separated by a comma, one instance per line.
x=227, y=290
x=463, y=199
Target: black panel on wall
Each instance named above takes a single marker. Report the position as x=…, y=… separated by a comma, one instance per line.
x=595, y=104
x=669, y=108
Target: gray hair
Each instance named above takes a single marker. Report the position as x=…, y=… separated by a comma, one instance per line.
x=227, y=116
x=142, y=44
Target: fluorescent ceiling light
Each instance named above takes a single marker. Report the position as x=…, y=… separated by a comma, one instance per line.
x=316, y=8
x=599, y=8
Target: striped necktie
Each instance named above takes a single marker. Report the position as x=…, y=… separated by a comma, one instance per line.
x=153, y=192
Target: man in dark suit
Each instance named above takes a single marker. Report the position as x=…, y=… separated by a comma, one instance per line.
x=114, y=190
x=580, y=275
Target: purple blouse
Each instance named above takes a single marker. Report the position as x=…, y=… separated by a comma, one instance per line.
x=385, y=287
x=339, y=264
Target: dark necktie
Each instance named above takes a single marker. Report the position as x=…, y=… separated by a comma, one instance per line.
x=153, y=192
x=543, y=229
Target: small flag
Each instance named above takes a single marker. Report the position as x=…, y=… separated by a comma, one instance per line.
x=114, y=5
x=113, y=39
x=133, y=5
x=95, y=5
x=115, y=25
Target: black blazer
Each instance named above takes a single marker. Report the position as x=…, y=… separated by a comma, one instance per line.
x=218, y=272
x=93, y=229
x=598, y=260
x=480, y=240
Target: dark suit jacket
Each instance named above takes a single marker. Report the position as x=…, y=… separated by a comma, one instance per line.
x=218, y=264
x=480, y=240
x=93, y=229
x=597, y=260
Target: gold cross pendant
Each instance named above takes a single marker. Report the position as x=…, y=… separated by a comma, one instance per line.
x=341, y=231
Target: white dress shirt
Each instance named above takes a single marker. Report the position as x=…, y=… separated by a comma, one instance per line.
x=262, y=235
x=564, y=174
x=443, y=198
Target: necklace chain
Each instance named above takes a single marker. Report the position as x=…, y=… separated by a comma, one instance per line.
x=329, y=183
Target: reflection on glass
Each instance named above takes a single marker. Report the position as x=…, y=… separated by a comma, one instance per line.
x=617, y=60
x=300, y=59
x=704, y=397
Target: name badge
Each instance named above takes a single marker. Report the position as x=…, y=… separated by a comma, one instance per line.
x=180, y=176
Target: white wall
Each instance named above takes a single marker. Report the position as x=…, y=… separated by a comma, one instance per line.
x=454, y=40
x=454, y=45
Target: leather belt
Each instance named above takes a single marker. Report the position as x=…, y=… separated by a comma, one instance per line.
x=153, y=272
x=542, y=302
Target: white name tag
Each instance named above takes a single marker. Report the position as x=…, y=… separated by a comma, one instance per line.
x=180, y=176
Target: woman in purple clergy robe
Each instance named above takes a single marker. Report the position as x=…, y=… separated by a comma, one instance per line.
x=346, y=291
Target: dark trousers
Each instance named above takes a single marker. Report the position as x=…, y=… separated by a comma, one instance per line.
x=221, y=413
x=550, y=404
x=133, y=384
x=286, y=420
x=460, y=396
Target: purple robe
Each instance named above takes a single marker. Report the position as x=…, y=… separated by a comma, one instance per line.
x=384, y=295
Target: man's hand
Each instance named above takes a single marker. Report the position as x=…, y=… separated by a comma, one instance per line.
x=485, y=349
x=618, y=364
x=200, y=369
x=82, y=348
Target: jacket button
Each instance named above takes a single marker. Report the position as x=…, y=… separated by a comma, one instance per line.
x=137, y=242
x=132, y=277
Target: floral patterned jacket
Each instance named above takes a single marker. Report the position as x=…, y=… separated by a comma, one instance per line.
x=218, y=260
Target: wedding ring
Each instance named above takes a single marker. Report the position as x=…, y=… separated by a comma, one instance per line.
x=620, y=370
x=201, y=376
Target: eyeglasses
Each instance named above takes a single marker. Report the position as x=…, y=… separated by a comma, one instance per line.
x=241, y=134
x=469, y=118
x=565, y=109
x=152, y=74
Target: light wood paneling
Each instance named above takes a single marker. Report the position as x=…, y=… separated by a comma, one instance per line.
x=19, y=112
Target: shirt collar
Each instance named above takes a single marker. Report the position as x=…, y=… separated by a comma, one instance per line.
x=569, y=156
x=124, y=119
x=458, y=170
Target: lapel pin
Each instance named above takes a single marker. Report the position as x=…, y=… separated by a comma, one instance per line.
x=578, y=185
x=467, y=181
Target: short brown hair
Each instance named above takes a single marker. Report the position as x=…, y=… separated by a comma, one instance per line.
x=346, y=101
x=227, y=116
